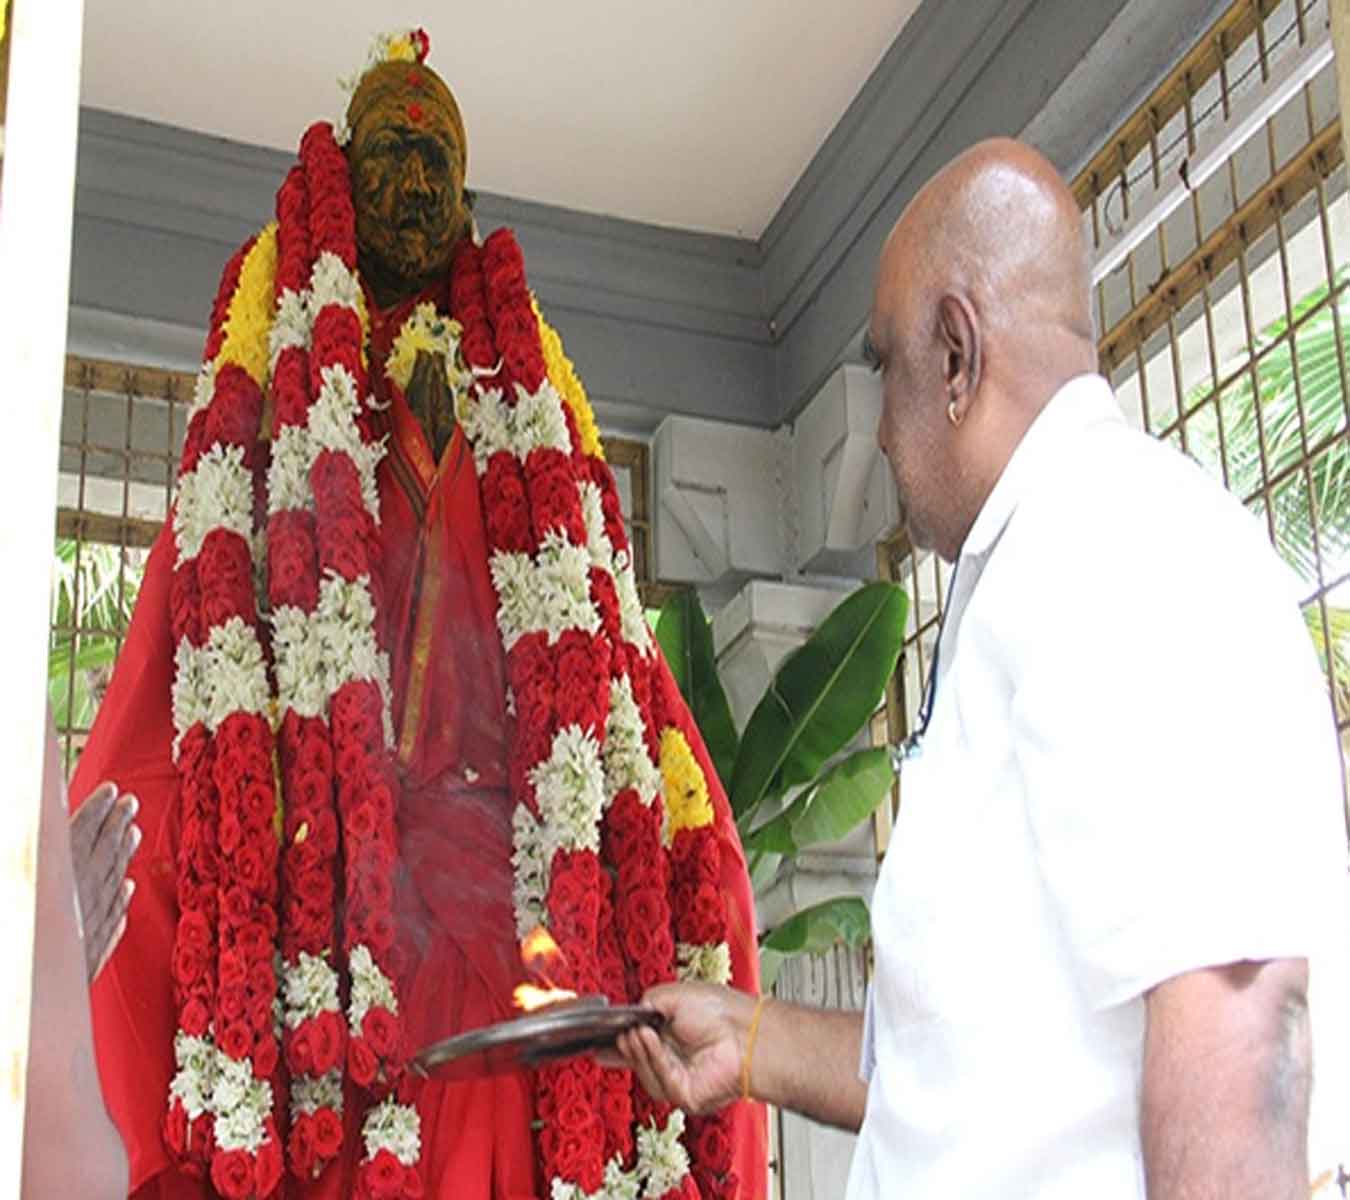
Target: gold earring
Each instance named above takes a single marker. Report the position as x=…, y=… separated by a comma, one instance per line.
x=951, y=412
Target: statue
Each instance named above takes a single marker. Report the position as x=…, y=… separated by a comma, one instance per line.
x=390, y=703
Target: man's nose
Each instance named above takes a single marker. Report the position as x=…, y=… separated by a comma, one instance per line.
x=415, y=176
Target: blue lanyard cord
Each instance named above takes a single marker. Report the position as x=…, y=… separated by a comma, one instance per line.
x=912, y=746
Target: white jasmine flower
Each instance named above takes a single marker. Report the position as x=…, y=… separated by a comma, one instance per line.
x=704, y=963
x=569, y=789
x=216, y=494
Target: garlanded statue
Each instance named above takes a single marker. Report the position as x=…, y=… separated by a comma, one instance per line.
x=390, y=703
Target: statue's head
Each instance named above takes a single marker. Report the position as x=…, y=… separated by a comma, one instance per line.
x=408, y=156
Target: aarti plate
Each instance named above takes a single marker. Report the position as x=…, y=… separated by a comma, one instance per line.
x=558, y=1031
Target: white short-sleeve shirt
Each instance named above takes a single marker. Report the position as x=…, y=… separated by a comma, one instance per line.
x=1130, y=773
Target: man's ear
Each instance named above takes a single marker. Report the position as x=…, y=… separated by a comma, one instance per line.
x=962, y=350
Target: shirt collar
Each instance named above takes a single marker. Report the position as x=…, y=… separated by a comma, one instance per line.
x=1079, y=404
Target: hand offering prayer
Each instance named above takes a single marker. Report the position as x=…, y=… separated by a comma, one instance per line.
x=698, y=1062
x=103, y=837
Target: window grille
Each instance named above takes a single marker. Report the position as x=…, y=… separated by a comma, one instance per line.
x=1220, y=228
x=122, y=429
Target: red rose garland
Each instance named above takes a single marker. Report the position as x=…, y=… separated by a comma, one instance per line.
x=315, y=1034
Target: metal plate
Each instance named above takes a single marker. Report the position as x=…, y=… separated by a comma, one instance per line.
x=560, y=1031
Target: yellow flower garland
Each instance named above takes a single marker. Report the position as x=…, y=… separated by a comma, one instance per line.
x=562, y=375
x=685, y=788
x=426, y=331
x=249, y=319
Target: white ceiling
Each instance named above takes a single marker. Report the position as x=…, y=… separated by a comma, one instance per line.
x=698, y=114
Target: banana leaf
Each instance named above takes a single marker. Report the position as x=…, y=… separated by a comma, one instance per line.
x=814, y=929
x=847, y=795
x=820, y=697
x=686, y=640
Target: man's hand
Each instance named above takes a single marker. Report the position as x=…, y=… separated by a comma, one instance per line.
x=696, y=1064
x=805, y=1059
x=103, y=838
x=1227, y=1066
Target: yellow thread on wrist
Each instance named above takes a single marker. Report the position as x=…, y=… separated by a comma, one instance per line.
x=750, y=1048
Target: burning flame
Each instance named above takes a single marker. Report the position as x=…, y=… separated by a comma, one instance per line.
x=540, y=954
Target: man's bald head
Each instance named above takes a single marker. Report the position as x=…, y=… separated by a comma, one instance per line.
x=982, y=310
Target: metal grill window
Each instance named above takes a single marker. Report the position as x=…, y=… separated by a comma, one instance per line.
x=1220, y=228
x=122, y=429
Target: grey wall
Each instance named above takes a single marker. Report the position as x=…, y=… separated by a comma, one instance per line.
x=660, y=320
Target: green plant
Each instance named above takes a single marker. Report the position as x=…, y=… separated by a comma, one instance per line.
x=819, y=699
x=1292, y=403
x=93, y=592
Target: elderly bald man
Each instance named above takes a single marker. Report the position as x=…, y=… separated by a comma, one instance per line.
x=1117, y=849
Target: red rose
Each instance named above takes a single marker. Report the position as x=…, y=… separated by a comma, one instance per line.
x=265, y=1055
x=706, y=918
x=578, y=1158
x=412, y=1184
x=290, y=387
x=254, y=941
x=293, y=576
x=230, y=1002
x=316, y=889
x=314, y=751
x=583, y=681
x=359, y=822
x=232, y=1173
x=637, y=942
x=300, y=1146
x=328, y=1036
x=267, y=1168
x=250, y=866
x=185, y=604
x=188, y=965
x=380, y=1028
x=236, y=1040
x=554, y=500
x=300, y=1049
x=478, y=348
x=236, y=409
x=616, y=1110
x=176, y=1126
x=506, y=510
x=195, y=1018
x=335, y=481
x=712, y=1144
x=362, y=1064
x=257, y=804
x=380, y=933
x=526, y=365
x=225, y=577
x=384, y=1175
x=356, y=715
x=327, y=1132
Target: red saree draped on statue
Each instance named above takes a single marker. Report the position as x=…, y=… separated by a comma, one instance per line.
x=454, y=906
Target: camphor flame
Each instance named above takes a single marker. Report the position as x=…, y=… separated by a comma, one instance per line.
x=541, y=956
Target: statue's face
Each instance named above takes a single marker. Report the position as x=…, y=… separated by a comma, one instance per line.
x=407, y=169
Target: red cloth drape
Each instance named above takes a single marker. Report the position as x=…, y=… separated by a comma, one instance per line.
x=454, y=907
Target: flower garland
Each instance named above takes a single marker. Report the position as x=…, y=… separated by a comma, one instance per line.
x=220, y=1114
x=589, y=857
x=315, y=1035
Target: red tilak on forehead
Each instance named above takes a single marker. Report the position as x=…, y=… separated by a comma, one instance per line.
x=415, y=113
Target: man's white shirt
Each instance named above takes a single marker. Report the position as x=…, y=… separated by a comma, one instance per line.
x=1130, y=773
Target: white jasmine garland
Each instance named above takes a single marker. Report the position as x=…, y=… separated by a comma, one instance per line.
x=393, y=1127
x=371, y=988
x=191, y=690
x=242, y=1105
x=311, y=1093
x=627, y=763
x=593, y=517
x=549, y=595
x=216, y=494
x=311, y=988
x=529, y=871
x=196, y=1077
x=332, y=426
x=234, y=672
x=487, y=422
x=569, y=789
x=317, y=653
x=288, y=472
x=291, y=325
x=204, y=389
x=538, y=422
x=632, y=616
x=331, y=282
x=662, y=1160
x=706, y=963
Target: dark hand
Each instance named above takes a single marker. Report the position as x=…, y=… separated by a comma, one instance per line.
x=695, y=1063
x=430, y=399
x=103, y=838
